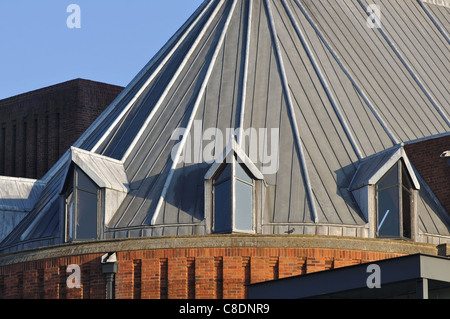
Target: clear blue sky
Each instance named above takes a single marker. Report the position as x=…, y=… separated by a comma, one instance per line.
x=116, y=39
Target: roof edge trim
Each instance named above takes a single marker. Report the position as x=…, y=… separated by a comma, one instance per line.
x=116, y=179
x=384, y=167
x=231, y=149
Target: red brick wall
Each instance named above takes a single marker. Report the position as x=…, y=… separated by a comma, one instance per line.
x=425, y=156
x=46, y=279
x=38, y=127
x=201, y=273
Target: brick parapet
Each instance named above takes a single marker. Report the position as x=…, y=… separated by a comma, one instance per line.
x=181, y=272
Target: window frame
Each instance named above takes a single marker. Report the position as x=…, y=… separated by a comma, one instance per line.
x=232, y=181
x=400, y=187
x=70, y=218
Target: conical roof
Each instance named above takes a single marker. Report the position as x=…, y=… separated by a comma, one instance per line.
x=331, y=87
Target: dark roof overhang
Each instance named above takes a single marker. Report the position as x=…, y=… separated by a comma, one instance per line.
x=413, y=275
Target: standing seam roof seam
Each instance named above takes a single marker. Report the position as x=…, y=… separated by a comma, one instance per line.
x=287, y=94
x=246, y=66
x=388, y=131
x=433, y=19
x=410, y=70
x=323, y=81
x=194, y=111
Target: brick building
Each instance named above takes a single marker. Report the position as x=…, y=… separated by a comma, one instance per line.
x=326, y=168
x=38, y=127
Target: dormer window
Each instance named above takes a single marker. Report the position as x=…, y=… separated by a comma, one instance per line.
x=385, y=188
x=82, y=206
x=394, y=203
x=233, y=189
x=233, y=193
x=94, y=188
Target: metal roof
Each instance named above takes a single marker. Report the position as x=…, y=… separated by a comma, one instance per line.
x=337, y=90
x=18, y=197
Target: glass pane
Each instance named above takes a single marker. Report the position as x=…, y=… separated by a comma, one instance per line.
x=406, y=180
x=85, y=182
x=406, y=201
x=69, y=217
x=244, y=207
x=242, y=174
x=390, y=179
x=388, y=213
x=222, y=207
x=86, y=223
x=225, y=174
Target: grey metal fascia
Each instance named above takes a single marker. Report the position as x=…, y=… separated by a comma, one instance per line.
x=435, y=268
x=412, y=267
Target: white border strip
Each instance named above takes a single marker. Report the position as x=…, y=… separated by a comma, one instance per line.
x=244, y=85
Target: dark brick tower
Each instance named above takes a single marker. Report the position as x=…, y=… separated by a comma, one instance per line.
x=38, y=127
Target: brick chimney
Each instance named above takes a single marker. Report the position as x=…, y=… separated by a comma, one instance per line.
x=431, y=159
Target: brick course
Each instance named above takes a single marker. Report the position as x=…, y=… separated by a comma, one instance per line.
x=200, y=273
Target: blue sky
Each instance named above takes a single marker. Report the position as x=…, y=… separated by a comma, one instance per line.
x=116, y=39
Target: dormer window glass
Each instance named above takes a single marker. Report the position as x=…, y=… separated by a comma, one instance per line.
x=233, y=199
x=222, y=201
x=82, y=205
x=394, y=203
